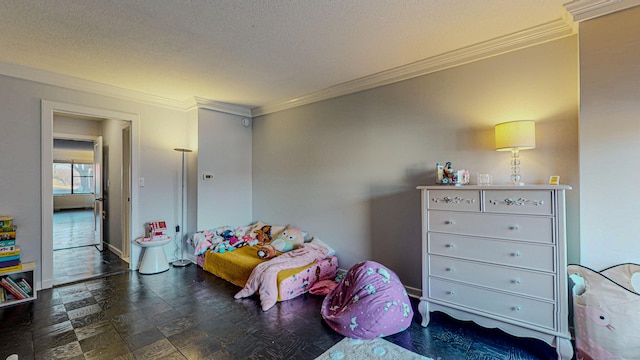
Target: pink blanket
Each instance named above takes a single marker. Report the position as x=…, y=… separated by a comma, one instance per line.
x=263, y=278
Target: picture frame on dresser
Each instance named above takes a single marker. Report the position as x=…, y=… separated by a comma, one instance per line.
x=497, y=256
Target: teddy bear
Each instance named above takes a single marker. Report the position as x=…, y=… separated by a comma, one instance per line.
x=288, y=239
x=266, y=252
x=263, y=235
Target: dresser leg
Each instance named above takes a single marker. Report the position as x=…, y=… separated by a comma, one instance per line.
x=564, y=349
x=423, y=308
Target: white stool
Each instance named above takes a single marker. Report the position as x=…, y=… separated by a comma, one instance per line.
x=153, y=260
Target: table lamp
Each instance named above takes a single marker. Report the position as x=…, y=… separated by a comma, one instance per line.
x=515, y=136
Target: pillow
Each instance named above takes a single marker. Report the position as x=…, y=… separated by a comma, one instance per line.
x=263, y=232
x=316, y=241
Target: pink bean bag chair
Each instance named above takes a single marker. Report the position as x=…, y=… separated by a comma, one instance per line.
x=369, y=302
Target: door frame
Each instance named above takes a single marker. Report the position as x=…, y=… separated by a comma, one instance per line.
x=48, y=109
x=98, y=196
x=125, y=192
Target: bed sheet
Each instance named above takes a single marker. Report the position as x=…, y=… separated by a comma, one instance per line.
x=236, y=267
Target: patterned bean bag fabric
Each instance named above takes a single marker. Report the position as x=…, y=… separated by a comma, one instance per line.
x=370, y=302
x=606, y=306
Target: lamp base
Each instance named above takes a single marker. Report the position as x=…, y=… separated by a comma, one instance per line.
x=181, y=263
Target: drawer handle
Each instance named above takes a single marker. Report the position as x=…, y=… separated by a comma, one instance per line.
x=451, y=292
x=451, y=269
x=516, y=281
x=517, y=202
x=516, y=254
x=517, y=308
x=451, y=246
x=453, y=200
x=514, y=227
x=449, y=222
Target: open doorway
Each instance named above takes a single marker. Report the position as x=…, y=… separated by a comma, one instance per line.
x=86, y=242
x=116, y=121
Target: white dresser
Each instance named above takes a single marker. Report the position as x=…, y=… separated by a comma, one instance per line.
x=497, y=255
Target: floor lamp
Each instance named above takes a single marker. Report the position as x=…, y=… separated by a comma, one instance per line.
x=182, y=262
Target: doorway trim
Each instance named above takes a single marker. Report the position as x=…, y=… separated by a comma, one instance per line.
x=48, y=109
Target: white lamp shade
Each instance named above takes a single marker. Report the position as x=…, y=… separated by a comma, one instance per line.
x=519, y=134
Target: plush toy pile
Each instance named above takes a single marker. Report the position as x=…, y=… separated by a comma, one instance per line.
x=273, y=239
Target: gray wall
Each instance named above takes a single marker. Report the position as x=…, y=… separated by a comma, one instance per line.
x=345, y=169
x=224, y=149
x=20, y=106
x=610, y=139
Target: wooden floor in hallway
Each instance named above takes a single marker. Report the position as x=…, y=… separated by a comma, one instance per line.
x=75, y=255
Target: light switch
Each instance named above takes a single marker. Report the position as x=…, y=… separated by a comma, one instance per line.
x=141, y=182
x=207, y=176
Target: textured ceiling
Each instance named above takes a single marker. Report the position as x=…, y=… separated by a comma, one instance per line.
x=248, y=52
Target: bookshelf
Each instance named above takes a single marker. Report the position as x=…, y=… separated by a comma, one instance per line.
x=28, y=273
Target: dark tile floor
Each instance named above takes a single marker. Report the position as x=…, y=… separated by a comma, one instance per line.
x=75, y=257
x=186, y=313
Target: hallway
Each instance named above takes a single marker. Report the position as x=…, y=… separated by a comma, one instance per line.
x=75, y=256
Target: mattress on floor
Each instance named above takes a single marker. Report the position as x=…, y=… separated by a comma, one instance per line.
x=236, y=267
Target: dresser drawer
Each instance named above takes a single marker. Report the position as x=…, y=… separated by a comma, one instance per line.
x=536, y=312
x=504, y=252
x=519, y=281
x=538, y=229
x=451, y=199
x=537, y=202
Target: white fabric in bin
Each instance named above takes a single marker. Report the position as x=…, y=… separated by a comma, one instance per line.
x=606, y=307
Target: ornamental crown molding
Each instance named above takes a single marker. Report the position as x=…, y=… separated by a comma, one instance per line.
x=581, y=10
x=202, y=103
x=576, y=11
x=78, y=84
x=542, y=33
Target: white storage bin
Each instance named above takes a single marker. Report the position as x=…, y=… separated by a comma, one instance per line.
x=606, y=312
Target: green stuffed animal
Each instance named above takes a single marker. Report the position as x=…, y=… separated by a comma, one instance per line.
x=288, y=239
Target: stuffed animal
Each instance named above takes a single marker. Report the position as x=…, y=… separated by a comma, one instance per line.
x=288, y=239
x=222, y=248
x=266, y=252
x=249, y=241
x=263, y=235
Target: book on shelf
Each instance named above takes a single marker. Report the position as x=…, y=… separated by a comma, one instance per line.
x=10, y=242
x=6, y=249
x=8, y=235
x=28, y=288
x=14, y=252
x=9, y=263
x=3, y=297
x=8, y=284
x=24, y=286
x=15, y=284
x=7, y=228
x=6, y=222
x=9, y=257
x=11, y=269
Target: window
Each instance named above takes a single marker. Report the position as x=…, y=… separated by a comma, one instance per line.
x=72, y=178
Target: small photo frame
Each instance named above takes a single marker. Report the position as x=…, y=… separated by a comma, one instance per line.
x=554, y=180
